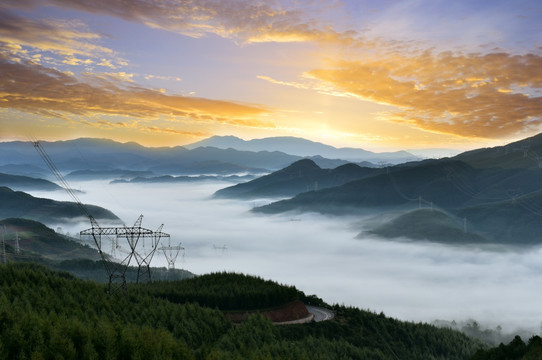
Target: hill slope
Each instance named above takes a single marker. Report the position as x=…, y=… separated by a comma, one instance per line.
x=516, y=220
x=427, y=224
x=523, y=154
x=42, y=245
x=54, y=315
x=22, y=205
x=20, y=182
x=34, y=237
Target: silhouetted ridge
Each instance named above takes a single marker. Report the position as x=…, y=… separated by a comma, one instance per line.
x=301, y=176
x=19, y=182
x=301, y=165
x=23, y=205
x=525, y=154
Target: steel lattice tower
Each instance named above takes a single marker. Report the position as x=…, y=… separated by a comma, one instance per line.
x=116, y=271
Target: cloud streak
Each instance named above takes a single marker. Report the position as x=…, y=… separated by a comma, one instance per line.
x=244, y=20
x=45, y=91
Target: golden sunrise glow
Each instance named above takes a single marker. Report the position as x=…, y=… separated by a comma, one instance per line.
x=259, y=69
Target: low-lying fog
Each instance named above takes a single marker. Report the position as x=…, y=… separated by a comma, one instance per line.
x=320, y=255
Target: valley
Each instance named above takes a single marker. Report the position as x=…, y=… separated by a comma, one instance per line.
x=410, y=259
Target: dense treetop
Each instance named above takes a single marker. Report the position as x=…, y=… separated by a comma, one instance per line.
x=45, y=314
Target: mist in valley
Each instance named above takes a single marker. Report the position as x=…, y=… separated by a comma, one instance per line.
x=320, y=255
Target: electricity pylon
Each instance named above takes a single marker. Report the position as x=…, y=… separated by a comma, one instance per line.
x=17, y=247
x=144, y=258
x=171, y=253
x=116, y=271
x=4, y=244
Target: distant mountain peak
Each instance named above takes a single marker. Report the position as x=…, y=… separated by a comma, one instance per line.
x=303, y=164
x=302, y=147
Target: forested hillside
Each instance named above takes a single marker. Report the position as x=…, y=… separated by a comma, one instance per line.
x=42, y=245
x=515, y=350
x=497, y=191
x=301, y=176
x=19, y=204
x=52, y=315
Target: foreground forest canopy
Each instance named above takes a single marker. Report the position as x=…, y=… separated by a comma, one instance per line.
x=516, y=350
x=45, y=314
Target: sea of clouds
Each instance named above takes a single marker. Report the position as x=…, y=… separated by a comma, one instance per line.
x=415, y=281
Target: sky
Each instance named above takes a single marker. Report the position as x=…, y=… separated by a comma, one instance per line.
x=378, y=75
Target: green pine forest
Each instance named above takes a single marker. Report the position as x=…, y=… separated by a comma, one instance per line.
x=49, y=314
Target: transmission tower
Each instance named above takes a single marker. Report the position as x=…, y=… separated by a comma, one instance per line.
x=17, y=248
x=116, y=270
x=144, y=258
x=131, y=235
x=223, y=248
x=171, y=253
x=4, y=244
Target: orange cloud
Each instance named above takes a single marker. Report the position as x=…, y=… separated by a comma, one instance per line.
x=178, y=132
x=246, y=20
x=447, y=93
x=36, y=89
x=69, y=39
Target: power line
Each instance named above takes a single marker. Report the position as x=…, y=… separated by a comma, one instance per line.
x=115, y=270
x=4, y=244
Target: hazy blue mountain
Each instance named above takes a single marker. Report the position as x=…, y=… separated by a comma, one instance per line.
x=107, y=159
x=106, y=174
x=108, y=155
x=183, y=179
x=397, y=187
x=333, y=163
x=19, y=182
x=81, y=154
x=18, y=204
x=301, y=176
x=302, y=147
x=433, y=153
x=214, y=161
x=447, y=184
x=25, y=170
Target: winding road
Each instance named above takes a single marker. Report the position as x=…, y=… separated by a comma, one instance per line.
x=320, y=314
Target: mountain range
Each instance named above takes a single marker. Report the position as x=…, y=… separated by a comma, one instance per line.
x=496, y=191
x=107, y=159
x=304, y=148
x=301, y=176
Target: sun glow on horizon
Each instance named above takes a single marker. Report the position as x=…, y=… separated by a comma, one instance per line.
x=334, y=74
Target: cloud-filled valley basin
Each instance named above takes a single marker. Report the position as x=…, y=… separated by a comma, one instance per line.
x=415, y=281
